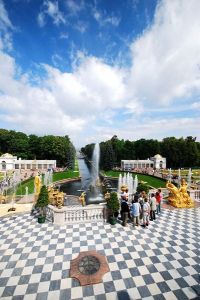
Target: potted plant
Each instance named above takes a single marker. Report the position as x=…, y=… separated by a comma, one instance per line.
x=113, y=205
x=42, y=202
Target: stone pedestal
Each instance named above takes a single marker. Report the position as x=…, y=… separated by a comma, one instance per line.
x=59, y=216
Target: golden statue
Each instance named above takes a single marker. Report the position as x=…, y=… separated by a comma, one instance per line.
x=179, y=197
x=107, y=196
x=2, y=199
x=82, y=199
x=60, y=200
x=56, y=198
x=37, y=184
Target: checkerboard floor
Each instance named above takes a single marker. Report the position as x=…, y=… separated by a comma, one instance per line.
x=158, y=262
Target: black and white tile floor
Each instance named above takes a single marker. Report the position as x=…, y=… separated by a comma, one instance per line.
x=158, y=262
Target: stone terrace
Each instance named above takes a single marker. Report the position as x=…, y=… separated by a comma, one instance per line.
x=158, y=262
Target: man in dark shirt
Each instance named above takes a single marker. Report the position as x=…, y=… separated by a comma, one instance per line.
x=124, y=211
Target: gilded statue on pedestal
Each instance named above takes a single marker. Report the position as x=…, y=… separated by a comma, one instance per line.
x=82, y=199
x=56, y=198
x=37, y=185
x=179, y=197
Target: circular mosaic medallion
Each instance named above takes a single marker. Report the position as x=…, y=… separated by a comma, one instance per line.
x=89, y=265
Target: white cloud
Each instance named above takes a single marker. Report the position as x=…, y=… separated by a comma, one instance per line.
x=4, y=19
x=103, y=19
x=63, y=103
x=41, y=19
x=196, y=105
x=148, y=128
x=97, y=100
x=81, y=26
x=75, y=6
x=5, y=27
x=166, y=57
x=64, y=35
x=50, y=9
x=56, y=60
x=87, y=88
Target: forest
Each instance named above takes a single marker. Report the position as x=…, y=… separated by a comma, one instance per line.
x=38, y=147
x=179, y=152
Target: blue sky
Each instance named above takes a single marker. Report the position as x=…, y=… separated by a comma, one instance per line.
x=92, y=69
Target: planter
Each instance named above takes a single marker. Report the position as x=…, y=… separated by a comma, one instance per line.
x=112, y=221
x=41, y=219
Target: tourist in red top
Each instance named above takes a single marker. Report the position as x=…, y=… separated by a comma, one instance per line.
x=158, y=201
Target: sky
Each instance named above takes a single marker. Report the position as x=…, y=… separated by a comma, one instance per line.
x=92, y=69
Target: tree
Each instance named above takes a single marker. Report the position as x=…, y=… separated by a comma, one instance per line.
x=113, y=203
x=43, y=200
x=107, y=157
x=4, y=140
x=129, y=150
x=118, y=148
x=59, y=148
x=34, y=146
x=70, y=162
x=19, y=144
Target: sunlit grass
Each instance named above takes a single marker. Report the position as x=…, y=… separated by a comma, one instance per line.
x=21, y=190
x=151, y=181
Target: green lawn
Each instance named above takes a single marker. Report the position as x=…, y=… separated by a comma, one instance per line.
x=56, y=177
x=152, y=181
x=21, y=190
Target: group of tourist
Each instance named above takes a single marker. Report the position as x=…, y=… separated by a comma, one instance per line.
x=142, y=209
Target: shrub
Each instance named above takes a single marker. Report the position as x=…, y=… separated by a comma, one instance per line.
x=113, y=202
x=43, y=199
x=143, y=187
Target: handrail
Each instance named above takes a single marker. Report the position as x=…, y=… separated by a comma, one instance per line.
x=78, y=214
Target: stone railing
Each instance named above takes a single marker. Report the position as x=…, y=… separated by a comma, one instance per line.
x=195, y=195
x=76, y=214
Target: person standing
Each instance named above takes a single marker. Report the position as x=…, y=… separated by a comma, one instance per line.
x=146, y=212
x=125, y=211
x=141, y=201
x=153, y=207
x=161, y=197
x=135, y=212
x=158, y=202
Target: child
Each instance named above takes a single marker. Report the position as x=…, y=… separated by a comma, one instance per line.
x=135, y=212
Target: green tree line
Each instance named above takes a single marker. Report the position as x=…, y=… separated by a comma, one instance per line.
x=179, y=152
x=32, y=146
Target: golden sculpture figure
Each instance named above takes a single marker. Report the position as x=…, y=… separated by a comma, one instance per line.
x=56, y=198
x=60, y=200
x=82, y=199
x=179, y=197
x=37, y=184
x=107, y=196
x=2, y=199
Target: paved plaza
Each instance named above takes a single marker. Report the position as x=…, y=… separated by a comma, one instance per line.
x=158, y=262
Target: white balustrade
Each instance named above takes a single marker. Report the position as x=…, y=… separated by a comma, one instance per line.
x=195, y=195
x=76, y=214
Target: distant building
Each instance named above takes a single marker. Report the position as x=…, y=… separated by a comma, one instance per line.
x=156, y=162
x=9, y=162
